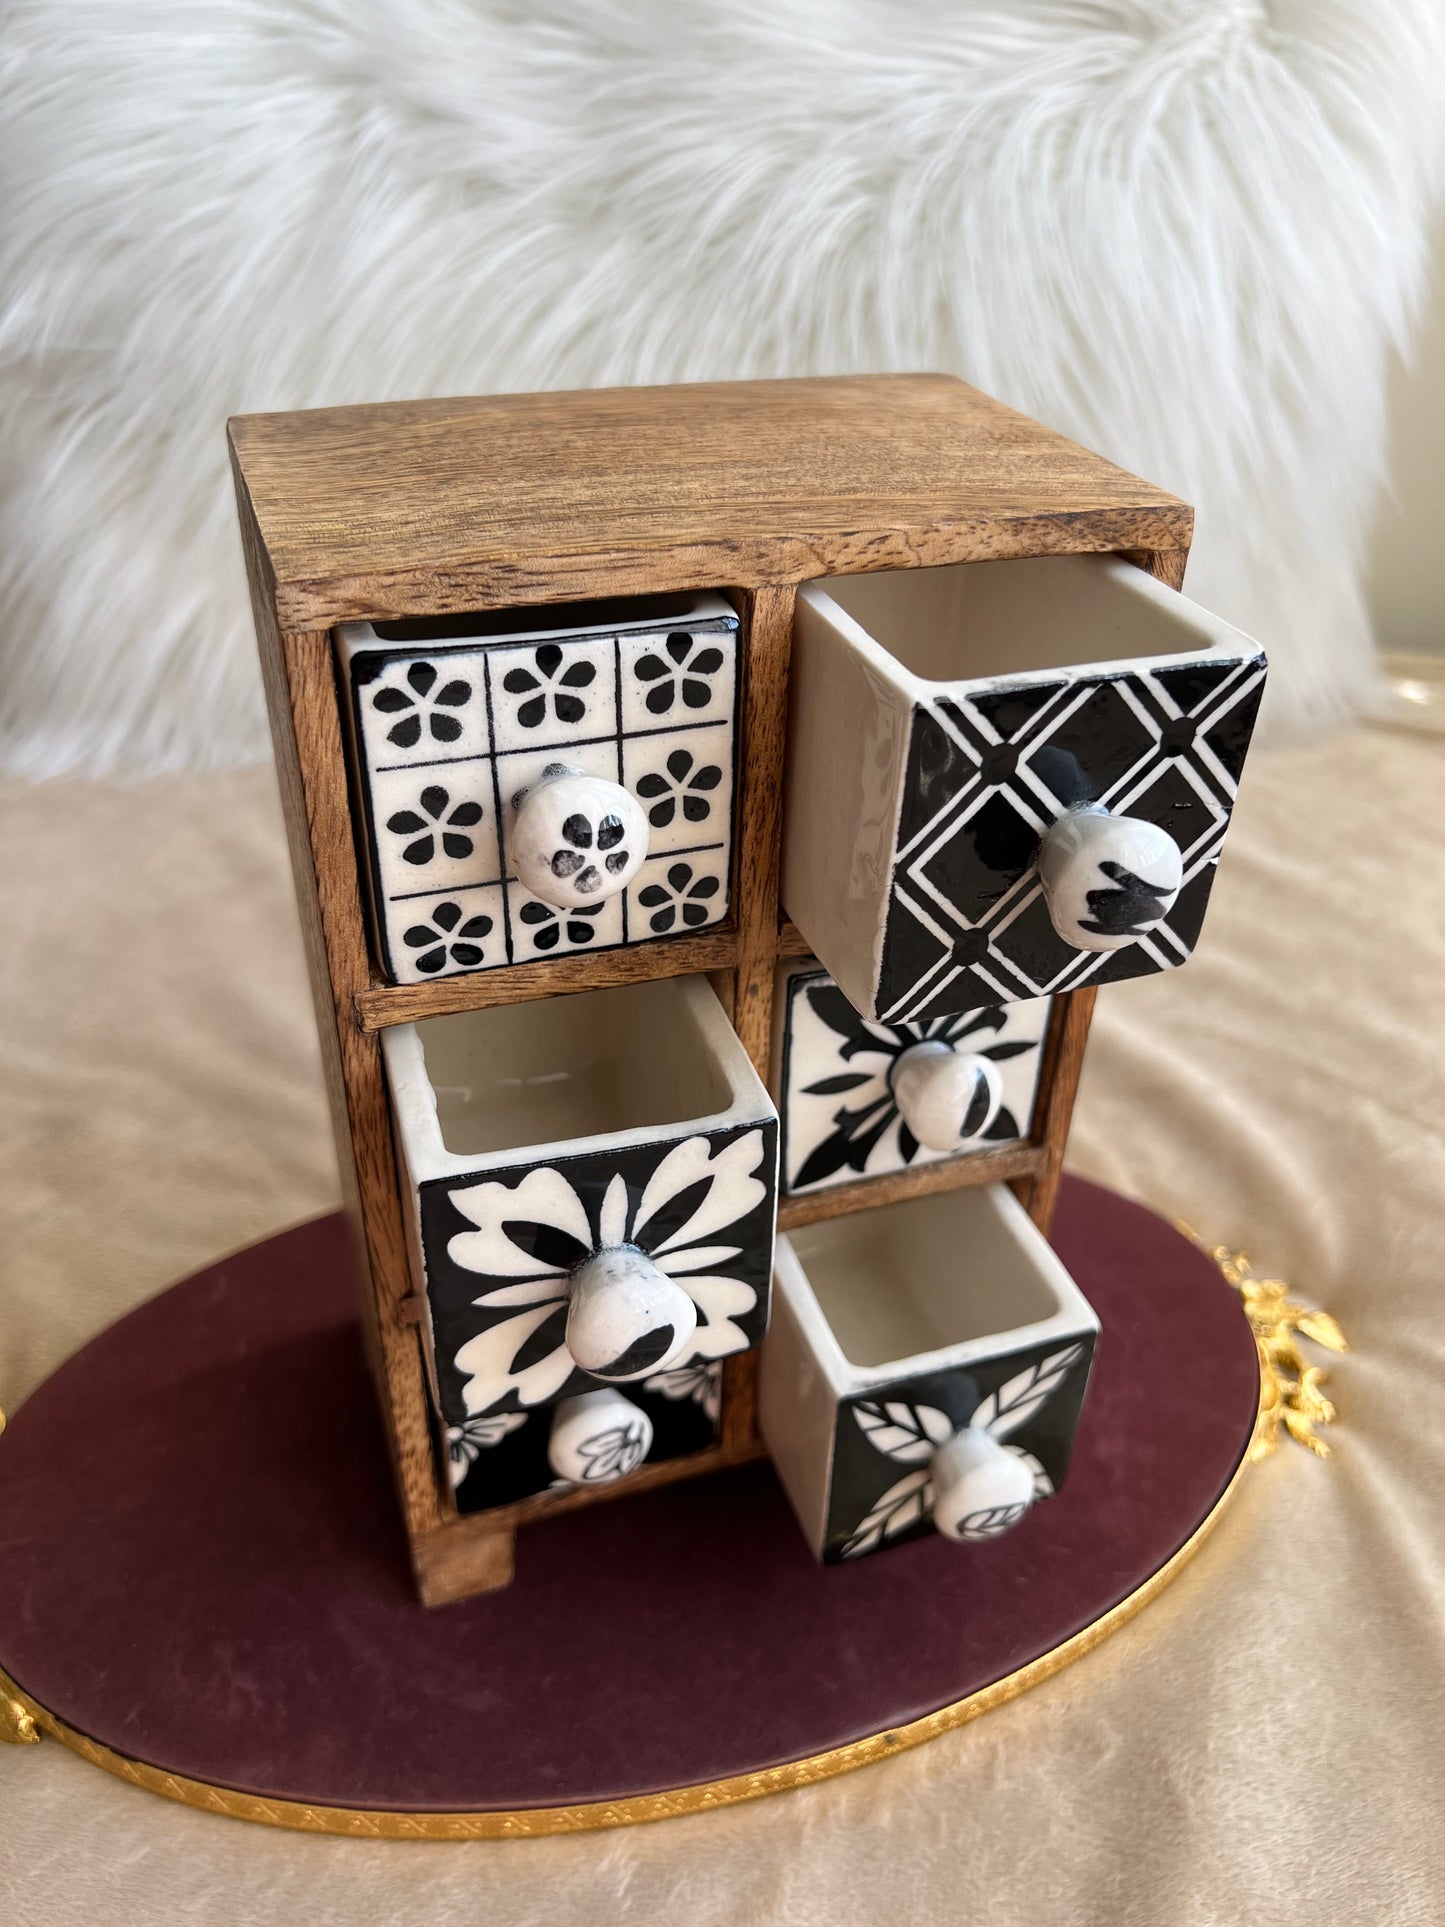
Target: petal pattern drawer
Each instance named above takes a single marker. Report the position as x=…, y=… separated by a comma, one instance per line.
x=592, y=1193
x=926, y=1368
x=1007, y=779
x=455, y=722
x=858, y=1098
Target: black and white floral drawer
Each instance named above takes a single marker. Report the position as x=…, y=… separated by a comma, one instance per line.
x=925, y=1371
x=589, y=1440
x=1007, y=779
x=592, y=1187
x=527, y=790
x=858, y=1098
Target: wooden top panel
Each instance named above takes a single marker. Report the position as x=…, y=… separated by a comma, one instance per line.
x=406, y=508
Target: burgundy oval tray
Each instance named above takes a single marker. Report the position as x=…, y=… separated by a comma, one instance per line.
x=204, y=1586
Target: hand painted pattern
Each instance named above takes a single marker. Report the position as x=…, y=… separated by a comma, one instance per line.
x=909, y=1431
x=445, y=739
x=832, y=1052
x=992, y=766
x=529, y=1235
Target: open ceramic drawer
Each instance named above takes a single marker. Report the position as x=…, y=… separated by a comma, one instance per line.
x=862, y=1099
x=592, y=1183
x=1007, y=779
x=533, y=781
x=926, y=1368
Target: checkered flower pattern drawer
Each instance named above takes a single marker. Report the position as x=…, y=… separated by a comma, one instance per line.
x=446, y=733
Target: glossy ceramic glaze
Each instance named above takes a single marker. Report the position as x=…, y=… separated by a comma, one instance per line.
x=452, y=718
x=946, y=1097
x=895, y=1334
x=981, y=1487
x=598, y=1437
x=598, y=1169
x=510, y=1455
x=1107, y=880
x=575, y=839
x=625, y=1316
x=943, y=720
x=842, y=1085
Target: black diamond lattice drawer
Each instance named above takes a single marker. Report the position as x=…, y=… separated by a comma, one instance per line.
x=1007, y=779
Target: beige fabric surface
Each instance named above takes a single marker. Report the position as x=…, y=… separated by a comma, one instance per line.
x=1264, y=1743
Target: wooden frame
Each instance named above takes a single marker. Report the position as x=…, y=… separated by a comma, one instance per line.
x=434, y=508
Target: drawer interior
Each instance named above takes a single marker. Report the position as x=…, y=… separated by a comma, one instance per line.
x=541, y=619
x=975, y=619
x=569, y=1067
x=921, y=1276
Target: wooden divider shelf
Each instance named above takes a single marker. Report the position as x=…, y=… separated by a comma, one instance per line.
x=382, y=1004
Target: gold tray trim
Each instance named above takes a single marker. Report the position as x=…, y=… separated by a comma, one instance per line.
x=529, y=1822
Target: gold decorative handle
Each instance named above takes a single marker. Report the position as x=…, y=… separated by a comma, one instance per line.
x=17, y=1723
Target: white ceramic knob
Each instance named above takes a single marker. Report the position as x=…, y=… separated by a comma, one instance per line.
x=1107, y=879
x=597, y=1437
x=625, y=1317
x=980, y=1488
x=575, y=839
x=946, y=1097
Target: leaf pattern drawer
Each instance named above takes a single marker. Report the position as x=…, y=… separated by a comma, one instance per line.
x=858, y=1099
x=456, y=722
x=1007, y=779
x=925, y=1370
x=591, y=1183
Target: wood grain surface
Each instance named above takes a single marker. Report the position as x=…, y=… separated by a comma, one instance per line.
x=1010, y=1163
x=709, y=950
x=429, y=507
x=1060, y=1067
x=311, y=769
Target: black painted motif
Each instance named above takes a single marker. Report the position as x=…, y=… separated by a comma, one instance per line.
x=451, y=936
x=712, y=1192
x=422, y=707
x=990, y=771
x=444, y=740
x=548, y=924
x=496, y=1460
x=867, y=1110
x=682, y=901
x=1127, y=909
x=555, y=692
x=584, y=844
x=682, y=783
x=880, y=1498
x=437, y=821
x=681, y=672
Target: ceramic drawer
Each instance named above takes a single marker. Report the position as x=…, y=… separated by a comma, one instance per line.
x=859, y=1099
x=1007, y=779
x=588, y=1441
x=591, y=1184
x=538, y=781
x=925, y=1370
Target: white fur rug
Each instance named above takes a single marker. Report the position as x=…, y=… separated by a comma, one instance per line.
x=1186, y=231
